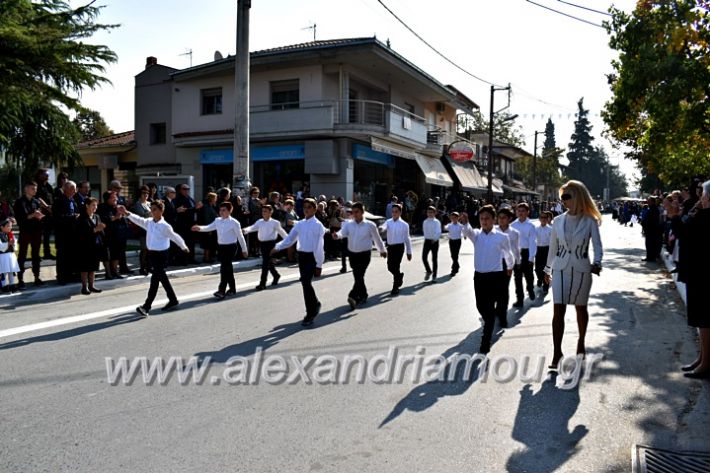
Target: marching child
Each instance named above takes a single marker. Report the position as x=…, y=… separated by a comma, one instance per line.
x=542, y=239
x=454, y=228
x=432, y=233
x=268, y=230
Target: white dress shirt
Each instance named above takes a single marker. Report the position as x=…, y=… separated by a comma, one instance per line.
x=267, y=230
x=432, y=229
x=454, y=230
x=398, y=233
x=543, y=235
x=514, y=238
x=229, y=231
x=309, y=235
x=489, y=249
x=527, y=236
x=361, y=236
x=158, y=234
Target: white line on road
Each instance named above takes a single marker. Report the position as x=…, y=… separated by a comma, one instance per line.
x=129, y=308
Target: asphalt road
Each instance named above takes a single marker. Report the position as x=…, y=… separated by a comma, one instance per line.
x=59, y=412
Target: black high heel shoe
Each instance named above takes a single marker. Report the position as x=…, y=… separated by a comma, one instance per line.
x=691, y=366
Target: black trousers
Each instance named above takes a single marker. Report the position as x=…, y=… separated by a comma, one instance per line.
x=654, y=243
x=525, y=268
x=540, y=263
x=433, y=247
x=306, y=268
x=455, y=248
x=344, y=252
x=47, y=228
x=488, y=288
x=158, y=262
x=359, y=263
x=395, y=253
x=31, y=238
x=225, y=253
x=65, y=248
x=503, y=298
x=267, y=261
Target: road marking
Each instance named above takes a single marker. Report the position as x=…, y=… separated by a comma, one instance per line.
x=131, y=308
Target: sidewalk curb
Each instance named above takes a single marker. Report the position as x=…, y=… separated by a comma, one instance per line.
x=52, y=291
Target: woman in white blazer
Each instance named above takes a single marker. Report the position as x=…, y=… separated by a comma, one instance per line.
x=568, y=266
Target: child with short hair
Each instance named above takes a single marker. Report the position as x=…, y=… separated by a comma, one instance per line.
x=454, y=228
x=432, y=232
x=543, y=232
x=8, y=260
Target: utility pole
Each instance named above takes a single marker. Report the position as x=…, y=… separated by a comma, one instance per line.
x=240, y=171
x=494, y=89
x=534, y=167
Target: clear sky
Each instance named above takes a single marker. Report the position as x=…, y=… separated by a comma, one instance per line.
x=550, y=60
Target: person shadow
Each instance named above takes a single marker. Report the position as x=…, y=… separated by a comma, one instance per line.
x=275, y=336
x=542, y=424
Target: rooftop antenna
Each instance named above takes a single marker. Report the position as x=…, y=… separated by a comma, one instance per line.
x=188, y=52
x=312, y=27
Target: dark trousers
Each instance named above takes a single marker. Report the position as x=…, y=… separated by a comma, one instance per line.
x=359, y=263
x=654, y=243
x=433, y=247
x=540, y=263
x=503, y=298
x=487, y=288
x=525, y=268
x=267, y=261
x=225, y=253
x=395, y=253
x=306, y=268
x=158, y=261
x=455, y=248
x=31, y=238
x=47, y=227
x=344, y=252
x=64, y=246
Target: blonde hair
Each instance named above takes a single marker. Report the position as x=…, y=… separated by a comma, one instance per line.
x=583, y=202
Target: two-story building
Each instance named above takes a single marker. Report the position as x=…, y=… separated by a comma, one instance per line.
x=346, y=117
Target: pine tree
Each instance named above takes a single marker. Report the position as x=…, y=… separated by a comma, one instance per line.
x=549, y=136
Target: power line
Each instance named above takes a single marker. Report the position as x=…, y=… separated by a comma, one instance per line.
x=566, y=14
x=585, y=8
x=432, y=47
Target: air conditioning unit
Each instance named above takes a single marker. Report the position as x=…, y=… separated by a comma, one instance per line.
x=406, y=123
x=440, y=107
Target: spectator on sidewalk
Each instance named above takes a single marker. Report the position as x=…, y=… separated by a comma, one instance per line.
x=111, y=217
x=693, y=231
x=45, y=195
x=89, y=231
x=28, y=212
x=122, y=230
x=8, y=260
x=205, y=216
x=652, y=229
x=142, y=209
x=83, y=192
x=186, y=209
x=66, y=213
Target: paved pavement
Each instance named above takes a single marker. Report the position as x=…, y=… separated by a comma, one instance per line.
x=60, y=413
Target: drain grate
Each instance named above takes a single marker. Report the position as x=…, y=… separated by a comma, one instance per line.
x=658, y=460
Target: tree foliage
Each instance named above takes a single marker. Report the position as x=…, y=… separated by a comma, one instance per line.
x=504, y=128
x=45, y=65
x=91, y=125
x=547, y=166
x=660, y=106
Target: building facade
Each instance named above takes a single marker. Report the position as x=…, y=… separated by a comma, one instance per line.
x=346, y=117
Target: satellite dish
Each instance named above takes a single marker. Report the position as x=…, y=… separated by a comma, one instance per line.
x=217, y=56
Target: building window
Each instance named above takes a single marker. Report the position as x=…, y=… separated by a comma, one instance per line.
x=157, y=133
x=284, y=94
x=211, y=101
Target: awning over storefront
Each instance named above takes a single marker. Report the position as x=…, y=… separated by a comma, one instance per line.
x=497, y=186
x=434, y=171
x=519, y=190
x=469, y=177
x=394, y=149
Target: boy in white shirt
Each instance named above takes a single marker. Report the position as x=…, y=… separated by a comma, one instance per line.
x=268, y=230
x=454, y=228
x=398, y=241
x=229, y=232
x=505, y=216
x=432, y=232
x=543, y=232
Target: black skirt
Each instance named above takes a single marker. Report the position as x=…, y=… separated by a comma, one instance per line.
x=698, y=315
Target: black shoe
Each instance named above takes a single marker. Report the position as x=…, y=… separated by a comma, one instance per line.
x=696, y=375
x=231, y=292
x=170, y=306
x=691, y=366
x=276, y=280
x=532, y=296
x=427, y=276
x=219, y=295
x=453, y=273
x=503, y=323
x=260, y=287
x=49, y=256
x=485, y=348
x=20, y=285
x=352, y=303
x=95, y=289
x=142, y=311
x=38, y=282
x=518, y=304
x=85, y=291
x=108, y=277
x=343, y=270
x=394, y=291
x=307, y=321
x=117, y=276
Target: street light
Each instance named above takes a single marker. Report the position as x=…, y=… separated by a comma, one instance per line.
x=494, y=89
x=534, y=169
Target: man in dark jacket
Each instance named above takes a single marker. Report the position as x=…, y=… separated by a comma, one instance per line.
x=186, y=209
x=28, y=212
x=651, y=224
x=66, y=213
